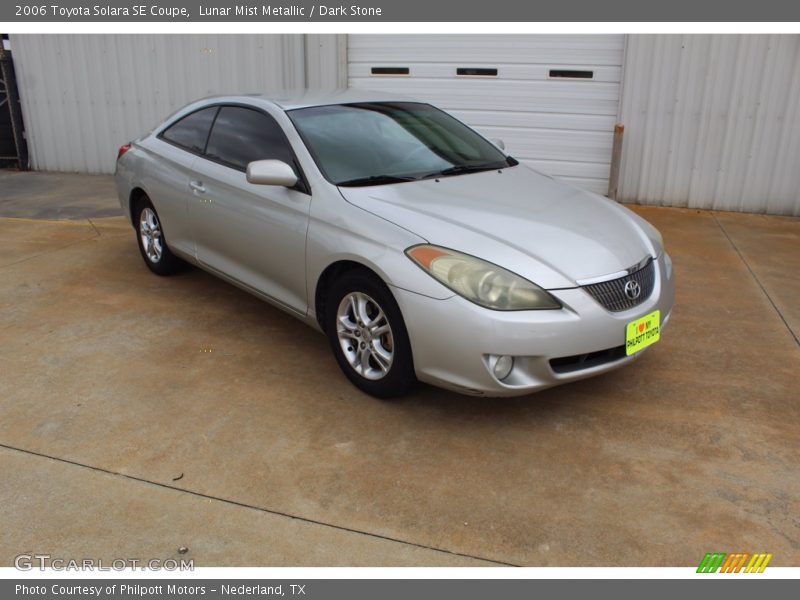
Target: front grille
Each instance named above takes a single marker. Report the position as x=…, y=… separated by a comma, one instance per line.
x=611, y=294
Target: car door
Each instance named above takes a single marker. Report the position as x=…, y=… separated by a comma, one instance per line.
x=254, y=234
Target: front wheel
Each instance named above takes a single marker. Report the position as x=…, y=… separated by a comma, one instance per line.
x=368, y=336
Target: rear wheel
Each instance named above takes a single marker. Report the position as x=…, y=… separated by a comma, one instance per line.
x=368, y=336
x=152, y=243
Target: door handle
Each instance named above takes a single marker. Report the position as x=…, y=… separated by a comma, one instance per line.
x=197, y=186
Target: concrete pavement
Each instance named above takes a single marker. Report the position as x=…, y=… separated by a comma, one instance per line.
x=141, y=413
x=56, y=195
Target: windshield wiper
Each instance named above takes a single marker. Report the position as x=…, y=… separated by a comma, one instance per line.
x=462, y=169
x=375, y=180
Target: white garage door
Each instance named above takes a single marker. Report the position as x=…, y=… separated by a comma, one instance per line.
x=553, y=99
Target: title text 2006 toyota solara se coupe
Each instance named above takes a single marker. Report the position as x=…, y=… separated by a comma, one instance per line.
x=420, y=248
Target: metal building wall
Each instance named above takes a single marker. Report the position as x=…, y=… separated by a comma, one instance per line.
x=712, y=121
x=85, y=95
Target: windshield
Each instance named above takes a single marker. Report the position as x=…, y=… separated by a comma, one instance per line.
x=388, y=142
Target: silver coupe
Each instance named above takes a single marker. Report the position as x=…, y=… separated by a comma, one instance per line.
x=421, y=249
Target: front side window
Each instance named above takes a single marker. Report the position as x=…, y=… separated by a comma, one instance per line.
x=242, y=135
x=191, y=132
x=384, y=142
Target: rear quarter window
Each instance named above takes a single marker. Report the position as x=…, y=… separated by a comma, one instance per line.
x=191, y=132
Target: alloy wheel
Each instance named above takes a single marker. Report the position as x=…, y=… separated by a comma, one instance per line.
x=150, y=232
x=365, y=335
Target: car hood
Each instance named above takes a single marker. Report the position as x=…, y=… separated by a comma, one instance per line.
x=550, y=232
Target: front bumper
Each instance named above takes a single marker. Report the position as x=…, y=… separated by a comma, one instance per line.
x=455, y=342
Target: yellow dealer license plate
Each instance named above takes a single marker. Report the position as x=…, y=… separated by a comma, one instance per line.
x=641, y=333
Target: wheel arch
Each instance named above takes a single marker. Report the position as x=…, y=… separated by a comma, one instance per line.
x=329, y=274
x=137, y=193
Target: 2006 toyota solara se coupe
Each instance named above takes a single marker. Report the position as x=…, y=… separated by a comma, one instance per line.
x=420, y=248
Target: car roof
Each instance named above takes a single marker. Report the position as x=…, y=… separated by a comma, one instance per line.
x=292, y=99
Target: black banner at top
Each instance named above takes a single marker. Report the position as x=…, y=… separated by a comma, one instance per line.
x=396, y=11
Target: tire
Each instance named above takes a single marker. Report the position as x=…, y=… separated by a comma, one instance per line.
x=152, y=243
x=376, y=357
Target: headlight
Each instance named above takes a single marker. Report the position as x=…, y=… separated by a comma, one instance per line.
x=481, y=282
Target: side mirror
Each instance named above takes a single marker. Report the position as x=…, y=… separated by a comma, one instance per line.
x=271, y=172
x=499, y=143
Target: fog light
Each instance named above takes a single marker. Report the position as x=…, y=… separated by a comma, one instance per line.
x=503, y=367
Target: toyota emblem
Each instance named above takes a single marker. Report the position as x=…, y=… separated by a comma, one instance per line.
x=633, y=290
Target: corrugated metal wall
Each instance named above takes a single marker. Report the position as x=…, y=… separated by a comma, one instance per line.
x=712, y=121
x=560, y=126
x=85, y=95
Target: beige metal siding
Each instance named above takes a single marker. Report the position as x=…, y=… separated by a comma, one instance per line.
x=326, y=61
x=85, y=95
x=563, y=127
x=712, y=121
